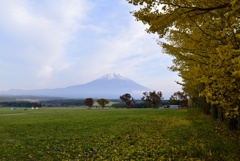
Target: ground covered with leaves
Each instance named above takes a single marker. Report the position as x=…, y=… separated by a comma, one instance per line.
x=114, y=134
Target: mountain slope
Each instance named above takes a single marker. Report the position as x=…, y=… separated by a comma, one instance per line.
x=108, y=86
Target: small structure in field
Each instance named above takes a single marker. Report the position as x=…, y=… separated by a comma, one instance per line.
x=174, y=106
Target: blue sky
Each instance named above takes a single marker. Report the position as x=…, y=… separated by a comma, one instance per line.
x=59, y=43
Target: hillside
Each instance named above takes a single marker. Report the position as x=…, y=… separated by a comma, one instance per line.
x=109, y=86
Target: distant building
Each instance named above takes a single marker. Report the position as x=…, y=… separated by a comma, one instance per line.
x=174, y=106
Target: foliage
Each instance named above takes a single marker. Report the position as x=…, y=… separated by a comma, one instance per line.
x=102, y=102
x=114, y=134
x=89, y=102
x=137, y=104
x=173, y=101
x=119, y=105
x=203, y=36
x=152, y=98
x=19, y=104
x=63, y=102
x=179, y=98
x=128, y=99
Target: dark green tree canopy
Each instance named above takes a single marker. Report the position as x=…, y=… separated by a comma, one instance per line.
x=152, y=98
x=128, y=99
x=179, y=98
x=89, y=102
x=102, y=102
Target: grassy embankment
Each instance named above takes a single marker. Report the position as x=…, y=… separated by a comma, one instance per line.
x=114, y=134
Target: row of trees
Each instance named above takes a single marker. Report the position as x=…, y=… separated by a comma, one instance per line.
x=62, y=102
x=151, y=99
x=203, y=36
x=102, y=102
x=19, y=104
x=154, y=99
x=179, y=98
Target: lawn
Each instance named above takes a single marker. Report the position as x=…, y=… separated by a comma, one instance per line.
x=114, y=134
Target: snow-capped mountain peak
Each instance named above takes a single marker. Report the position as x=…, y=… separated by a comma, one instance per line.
x=108, y=86
x=113, y=76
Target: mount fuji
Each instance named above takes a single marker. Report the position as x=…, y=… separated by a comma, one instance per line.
x=109, y=86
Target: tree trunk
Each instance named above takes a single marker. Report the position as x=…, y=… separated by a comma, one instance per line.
x=214, y=112
x=221, y=114
x=233, y=124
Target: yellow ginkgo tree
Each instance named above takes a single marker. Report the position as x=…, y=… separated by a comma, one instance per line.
x=203, y=36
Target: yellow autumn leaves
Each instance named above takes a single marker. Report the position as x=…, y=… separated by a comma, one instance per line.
x=204, y=39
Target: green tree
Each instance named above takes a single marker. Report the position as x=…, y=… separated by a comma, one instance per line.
x=152, y=98
x=173, y=100
x=179, y=98
x=102, y=102
x=89, y=102
x=128, y=99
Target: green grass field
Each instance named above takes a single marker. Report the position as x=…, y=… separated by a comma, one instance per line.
x=107, y=105
x=114, y=134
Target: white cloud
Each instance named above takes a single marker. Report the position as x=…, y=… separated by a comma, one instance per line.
x=128, y=50
x=131, y=51
x=46, y=72
x=43, y=31
x=67, y=42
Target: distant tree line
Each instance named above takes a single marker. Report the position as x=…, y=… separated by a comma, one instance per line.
x=154, y=99
x=63, y=102
x=150, y=99
x=20, y=104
